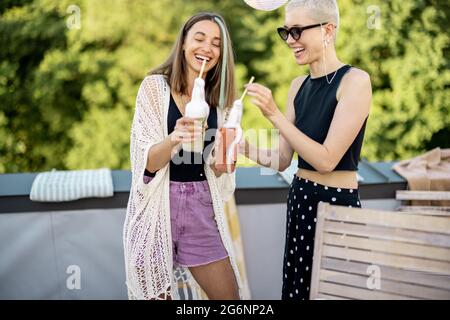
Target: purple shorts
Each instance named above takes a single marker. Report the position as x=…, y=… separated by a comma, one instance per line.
x=195, y=237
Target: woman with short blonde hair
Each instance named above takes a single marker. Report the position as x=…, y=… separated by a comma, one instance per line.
x=324, y=124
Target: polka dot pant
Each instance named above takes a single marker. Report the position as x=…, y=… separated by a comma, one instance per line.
x=303, y=198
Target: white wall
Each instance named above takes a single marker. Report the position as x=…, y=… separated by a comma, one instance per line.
x=44, y=254
x=263, y=236
x=37, y=248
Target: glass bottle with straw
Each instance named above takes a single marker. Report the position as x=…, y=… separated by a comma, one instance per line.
x=229, y=137
x=197, y=109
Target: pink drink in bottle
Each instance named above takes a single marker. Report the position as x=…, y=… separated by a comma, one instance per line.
x=230, y=136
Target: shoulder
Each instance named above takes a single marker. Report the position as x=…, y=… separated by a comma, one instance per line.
x=356, y=77
x=154, y=80
x=297, y=82
x=355, y=80
x=154, y=86
x=153, y=93
x=355, y=90
x=295, y=86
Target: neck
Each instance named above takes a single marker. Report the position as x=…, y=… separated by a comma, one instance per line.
x=325, y=66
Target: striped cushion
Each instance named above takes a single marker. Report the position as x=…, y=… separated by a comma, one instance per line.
x=58, y=186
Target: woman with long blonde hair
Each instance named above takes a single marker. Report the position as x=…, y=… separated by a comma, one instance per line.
x=175, y=227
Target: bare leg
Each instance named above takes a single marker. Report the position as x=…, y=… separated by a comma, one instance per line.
x=217, y=280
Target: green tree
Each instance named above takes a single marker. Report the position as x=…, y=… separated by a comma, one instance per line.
x=407, y=57
x=27, y=32
x=405, y=49
x=67, y=94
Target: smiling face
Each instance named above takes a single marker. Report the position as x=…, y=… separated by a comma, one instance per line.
x=202, y=42
x=309, y=47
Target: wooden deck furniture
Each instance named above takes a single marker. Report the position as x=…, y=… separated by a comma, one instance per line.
x=427, y=196
x=370, y=254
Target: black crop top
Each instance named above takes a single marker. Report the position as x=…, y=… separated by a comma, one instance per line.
x=315, y=104
x=188, y=166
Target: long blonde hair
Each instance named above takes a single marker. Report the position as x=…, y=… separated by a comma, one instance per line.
x=175, y=69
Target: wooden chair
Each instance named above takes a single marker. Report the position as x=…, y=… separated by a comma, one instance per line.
x=369, y=254
x=435, y=196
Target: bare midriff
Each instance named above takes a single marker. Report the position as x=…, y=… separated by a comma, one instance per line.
x=336, y=179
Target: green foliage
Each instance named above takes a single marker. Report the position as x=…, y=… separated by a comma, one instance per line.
x=109, y=129
x=27, y=32
x=407, y=59
x=67, y=94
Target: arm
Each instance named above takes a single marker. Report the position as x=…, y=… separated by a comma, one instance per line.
x=354, y=98
x=284, y=152
x=160, y=154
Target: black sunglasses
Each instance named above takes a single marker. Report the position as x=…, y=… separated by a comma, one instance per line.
x=295, y=32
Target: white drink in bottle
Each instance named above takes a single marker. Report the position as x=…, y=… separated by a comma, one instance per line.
x=197, y=109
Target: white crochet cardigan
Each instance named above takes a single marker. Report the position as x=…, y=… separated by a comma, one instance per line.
x=147, y=238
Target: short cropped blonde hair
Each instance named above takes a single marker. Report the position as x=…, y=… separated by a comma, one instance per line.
x=320, y=10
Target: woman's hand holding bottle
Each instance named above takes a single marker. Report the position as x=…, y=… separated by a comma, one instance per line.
x=186, y=130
